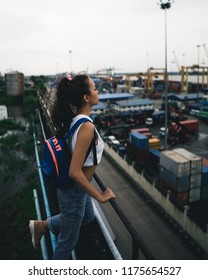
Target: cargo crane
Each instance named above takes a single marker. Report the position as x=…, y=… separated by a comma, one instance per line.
x=206, y=52
x=185, y=73
x=176, y=61
x=205, y=49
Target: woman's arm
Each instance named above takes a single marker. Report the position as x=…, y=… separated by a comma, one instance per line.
x=84, y=138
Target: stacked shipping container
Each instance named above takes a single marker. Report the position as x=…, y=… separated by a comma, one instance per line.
x=181, y=173
x=204, y=185
x=138, y=148
x=195, y=173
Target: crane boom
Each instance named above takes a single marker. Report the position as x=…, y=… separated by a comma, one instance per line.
x=176, y=61
x=205, y=49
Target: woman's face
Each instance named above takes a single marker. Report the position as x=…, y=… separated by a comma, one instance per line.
x=94, y=93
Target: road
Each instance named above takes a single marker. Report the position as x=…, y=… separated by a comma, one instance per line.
x=161, y=236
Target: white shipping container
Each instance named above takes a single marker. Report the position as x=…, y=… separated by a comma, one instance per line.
x=194, y=194
x=195, y=161
x=175, y=163
x=195, y=180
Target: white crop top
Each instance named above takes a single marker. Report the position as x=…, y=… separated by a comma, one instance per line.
x=99, y=147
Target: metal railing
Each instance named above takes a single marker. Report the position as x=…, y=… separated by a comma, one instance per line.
x=137, y=241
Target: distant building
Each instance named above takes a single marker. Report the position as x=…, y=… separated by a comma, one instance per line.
x=3, y=112
x=14, y=83
x=133, y=105
x=99, y=109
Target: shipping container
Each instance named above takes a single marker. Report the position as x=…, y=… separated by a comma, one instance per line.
x=204, y=192
x=154, y=158
x=205, y=161
x=179, y=197
x=195, y=161
x=147, y=134
x=175, y=163
x=195, y=181
x=192, y=125
x=138, y=140
x=178, y=184
x=140, y=130
x=154, y=143
x=194, y=194
x=137, y=155
x=204, y=176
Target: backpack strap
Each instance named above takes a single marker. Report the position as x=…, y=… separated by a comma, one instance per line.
x=74, y=127
x=93, y=148
x=92, y=144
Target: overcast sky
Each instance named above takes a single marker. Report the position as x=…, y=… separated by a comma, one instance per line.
x=37, y=35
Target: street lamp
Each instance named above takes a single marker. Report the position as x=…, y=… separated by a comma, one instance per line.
x=164, y=5
x=147, y=56
x=70, y=56
x=198, y=46
x=184, y=57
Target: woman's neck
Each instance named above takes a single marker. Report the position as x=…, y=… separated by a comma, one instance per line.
x=84, y=111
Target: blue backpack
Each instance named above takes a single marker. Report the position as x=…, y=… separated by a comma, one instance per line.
x=57, y=158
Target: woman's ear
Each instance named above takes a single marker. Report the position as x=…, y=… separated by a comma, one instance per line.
x=86, y=97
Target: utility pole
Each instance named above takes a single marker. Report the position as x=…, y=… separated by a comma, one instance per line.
x=70, y=56
x=164, y=5
x=198, y=46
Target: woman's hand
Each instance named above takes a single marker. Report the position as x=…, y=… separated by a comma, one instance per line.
x=106, y=195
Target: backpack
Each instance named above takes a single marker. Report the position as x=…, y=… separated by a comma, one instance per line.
x=57, y=158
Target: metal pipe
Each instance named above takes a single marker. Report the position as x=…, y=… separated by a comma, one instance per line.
x=47, y=207
x=166, y=85
x=41, y=124
x=106, y=234
x=38, y=212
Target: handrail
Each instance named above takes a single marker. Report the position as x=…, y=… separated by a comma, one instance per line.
x=137, y=241
x=45, y=198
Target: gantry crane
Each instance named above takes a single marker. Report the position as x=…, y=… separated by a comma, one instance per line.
x=176, y=61
x=205, y=49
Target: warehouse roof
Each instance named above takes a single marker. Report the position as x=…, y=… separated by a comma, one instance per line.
x=185, y=96
x=134, y=102
x=114, y=96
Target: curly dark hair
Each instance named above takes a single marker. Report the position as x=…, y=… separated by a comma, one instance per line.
x=69, y=98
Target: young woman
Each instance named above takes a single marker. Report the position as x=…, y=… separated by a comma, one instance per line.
x=75, y=98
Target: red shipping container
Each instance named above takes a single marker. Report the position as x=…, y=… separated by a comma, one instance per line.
x=192, y=125
x=140, y=130
x=205, y=162
x=148, y=134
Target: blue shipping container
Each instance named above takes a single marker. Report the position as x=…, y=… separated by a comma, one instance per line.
x=179, y=184
x=204, y=176
x=139, y=140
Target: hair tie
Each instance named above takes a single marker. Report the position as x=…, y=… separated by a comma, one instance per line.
x=69, y=77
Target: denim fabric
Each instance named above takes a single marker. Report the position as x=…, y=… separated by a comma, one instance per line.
x=76, y=209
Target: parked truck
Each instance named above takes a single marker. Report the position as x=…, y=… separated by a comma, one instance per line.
x=183, y=131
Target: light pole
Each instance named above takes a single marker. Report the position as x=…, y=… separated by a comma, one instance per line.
x=70, y=56
x=184, y=57
x=198, y=46
x=164, y=5
x=147, y=56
